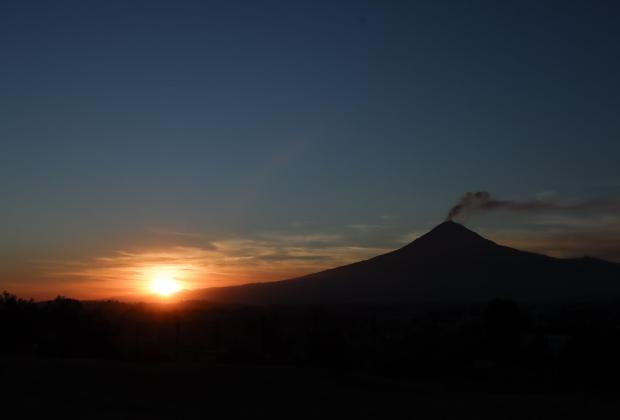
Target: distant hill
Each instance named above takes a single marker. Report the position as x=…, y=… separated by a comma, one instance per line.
x=449, y=264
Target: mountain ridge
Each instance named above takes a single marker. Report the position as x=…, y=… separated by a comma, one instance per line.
x=450, y=263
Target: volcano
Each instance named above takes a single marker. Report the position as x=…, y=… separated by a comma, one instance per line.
x=449, y=264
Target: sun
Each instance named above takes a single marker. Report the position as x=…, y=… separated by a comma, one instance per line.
x=164, y=284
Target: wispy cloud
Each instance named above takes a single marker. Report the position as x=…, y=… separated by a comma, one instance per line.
x=566, y=236
x=575, y=222
x=365, y=228
x=224, y=262
x=564, y=244
x=177, y=233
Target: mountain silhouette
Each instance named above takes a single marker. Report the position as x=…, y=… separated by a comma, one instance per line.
x=449, y=264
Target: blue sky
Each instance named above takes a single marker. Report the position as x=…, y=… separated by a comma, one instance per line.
x=222, y=121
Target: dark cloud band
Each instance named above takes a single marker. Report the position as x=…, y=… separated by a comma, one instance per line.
x=482, y=201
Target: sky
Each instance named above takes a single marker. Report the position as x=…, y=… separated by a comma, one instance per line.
x=235, y=141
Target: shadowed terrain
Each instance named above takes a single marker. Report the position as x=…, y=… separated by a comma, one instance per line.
x=461, y=326
x=104, y=390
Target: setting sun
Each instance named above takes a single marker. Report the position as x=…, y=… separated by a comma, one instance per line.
x=164, y=284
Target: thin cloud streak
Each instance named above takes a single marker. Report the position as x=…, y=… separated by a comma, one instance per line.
x=566, y=237
x=228, y=262
x=599, y=244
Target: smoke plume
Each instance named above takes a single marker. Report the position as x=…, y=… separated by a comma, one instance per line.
x=482, y=201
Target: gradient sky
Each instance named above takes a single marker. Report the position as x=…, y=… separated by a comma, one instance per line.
x=234, y=141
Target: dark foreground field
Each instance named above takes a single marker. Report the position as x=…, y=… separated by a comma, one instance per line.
x=495, y=360
x=98, y=389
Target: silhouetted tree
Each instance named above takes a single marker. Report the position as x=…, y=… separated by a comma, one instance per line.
x=17, y=324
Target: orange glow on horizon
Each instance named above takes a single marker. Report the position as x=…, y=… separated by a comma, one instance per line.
x=166, y=273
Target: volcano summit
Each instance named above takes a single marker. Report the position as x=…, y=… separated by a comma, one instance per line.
x=449, y=264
